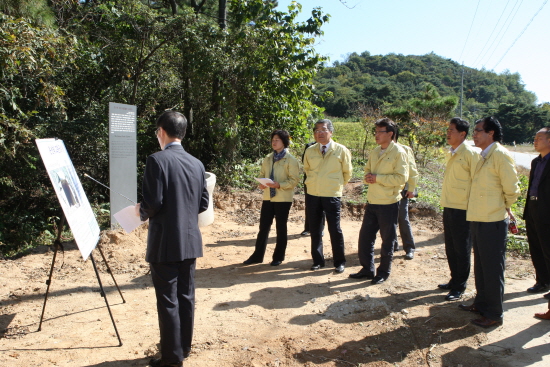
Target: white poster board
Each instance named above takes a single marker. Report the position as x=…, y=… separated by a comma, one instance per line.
x=70, y=194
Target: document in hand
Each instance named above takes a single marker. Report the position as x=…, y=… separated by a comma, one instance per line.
x=128, y=219
x=263, y=181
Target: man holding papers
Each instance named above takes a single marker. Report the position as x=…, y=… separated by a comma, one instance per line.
x=174, y=193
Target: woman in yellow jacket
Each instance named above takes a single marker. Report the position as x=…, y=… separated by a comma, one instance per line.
x=283, y=169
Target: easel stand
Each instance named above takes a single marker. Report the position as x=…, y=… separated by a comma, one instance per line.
x=57, y=246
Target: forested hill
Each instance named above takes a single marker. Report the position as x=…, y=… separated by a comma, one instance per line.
x=377, y=80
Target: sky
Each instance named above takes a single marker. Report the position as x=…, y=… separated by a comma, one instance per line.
x=497, y=35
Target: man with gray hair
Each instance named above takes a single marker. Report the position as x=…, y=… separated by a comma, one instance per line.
x=327, y=165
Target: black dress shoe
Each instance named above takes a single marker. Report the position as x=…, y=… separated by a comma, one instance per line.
x=471, y=308
x=251, y=261
x=485, y=322
x=317, y=267
x=378, y=280
x=158, y=362
x=339, y=269
x=537, y=288
x=444, y=286
x=547, y=296
x=304, y=233
x=276, y=263
x=186, y=354
x=409, y=255
x=453, y=296
x=361, y=275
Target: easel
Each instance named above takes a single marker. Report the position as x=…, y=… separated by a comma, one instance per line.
x=57, y=246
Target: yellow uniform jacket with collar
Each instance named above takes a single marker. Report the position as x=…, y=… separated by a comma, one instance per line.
x=413, y=171
x=286, y=172
x=392, y=172
x=459, y=171
x=494, y=186
x=327, y=175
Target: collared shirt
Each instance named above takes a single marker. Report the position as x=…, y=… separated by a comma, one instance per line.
x=541, y=164
x=485, y=151
x=453, y=151
x=327, y=145
x=172, y=143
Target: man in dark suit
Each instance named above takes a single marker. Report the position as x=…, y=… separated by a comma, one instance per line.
x=174, y=193
x=537, y=213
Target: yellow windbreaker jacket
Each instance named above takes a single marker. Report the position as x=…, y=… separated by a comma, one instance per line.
x=326, y=176
x=413, y=171
x=459, y=171
x=286, y=172
x=391, y=170
x=494, y=186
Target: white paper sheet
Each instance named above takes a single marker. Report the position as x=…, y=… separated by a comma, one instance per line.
x=128, y=219
x=263, y=181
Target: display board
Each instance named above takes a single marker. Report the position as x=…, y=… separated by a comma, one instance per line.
x=122, y=156
x=70, y=193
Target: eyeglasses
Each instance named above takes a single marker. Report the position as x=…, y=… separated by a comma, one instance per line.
x=379, y=132
x=478, y=130
x=157, y=131
x=321, y=131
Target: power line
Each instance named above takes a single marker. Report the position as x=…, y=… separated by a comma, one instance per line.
x=508, y=27
x=491, y=35
x=505, y=24
x=471, y=25
x=521, y=34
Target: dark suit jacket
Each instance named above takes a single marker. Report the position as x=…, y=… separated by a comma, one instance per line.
x=174, y=193
x=543, y=192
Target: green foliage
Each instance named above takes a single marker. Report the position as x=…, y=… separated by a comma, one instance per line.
x=235, y=84
x=378, y=81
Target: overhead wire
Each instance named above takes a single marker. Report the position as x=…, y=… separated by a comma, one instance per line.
x=522, y=32
x=491, y=35
x=469, y=31
x=503, y=34
x=506, y=24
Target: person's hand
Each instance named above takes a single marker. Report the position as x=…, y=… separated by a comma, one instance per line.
x=136, y=209
x=274, y=185
x=261, y=187
x=410, y=194
x=512, y=218
x=370, y=178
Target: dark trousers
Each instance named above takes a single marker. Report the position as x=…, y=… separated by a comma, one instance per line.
x=405, y=229
x=315, y=206
x=489, y=244
x=458, y=246
x=175, y=290
x=538, y=236
x=306, y=222
x=381, y=218
x=270, y=210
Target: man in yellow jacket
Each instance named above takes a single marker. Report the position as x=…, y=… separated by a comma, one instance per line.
x=494, y=189
x=460, y=167
x=405, y=230
x=386, y=173
x=327, y=165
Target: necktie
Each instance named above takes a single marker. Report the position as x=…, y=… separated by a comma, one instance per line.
x=324, y=150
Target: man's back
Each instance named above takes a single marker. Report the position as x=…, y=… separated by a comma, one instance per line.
x=174, y=193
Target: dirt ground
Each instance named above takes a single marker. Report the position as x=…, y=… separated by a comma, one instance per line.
x=259, y=315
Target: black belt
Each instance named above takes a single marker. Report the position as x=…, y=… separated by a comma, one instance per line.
x=533, y=198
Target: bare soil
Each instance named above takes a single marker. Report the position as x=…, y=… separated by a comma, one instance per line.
x=260, y=315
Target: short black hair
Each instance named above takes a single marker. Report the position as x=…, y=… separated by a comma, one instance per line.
x=283, y=135
x=491, y=124
x=388, y=124
x=396, y=136
x=547, y=132
x=174, y=123
x=461, y=125
x=330, y=127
